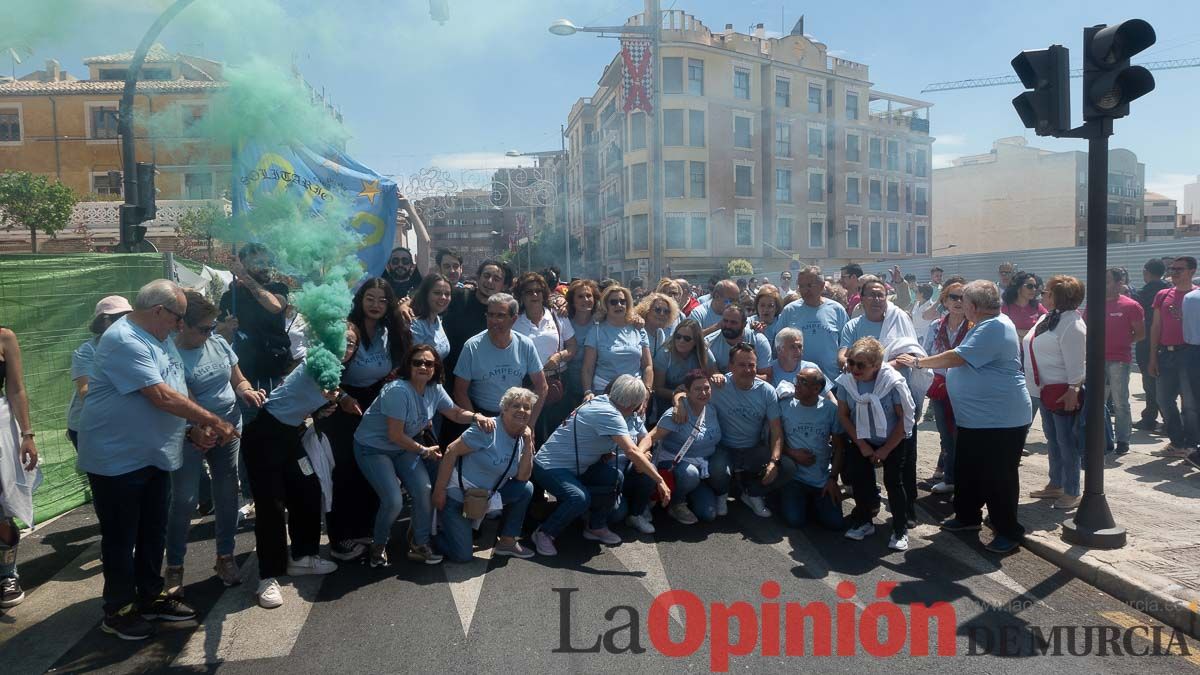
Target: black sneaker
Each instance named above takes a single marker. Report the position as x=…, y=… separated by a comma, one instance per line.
x=1122, y=448
x=11, y=594
x=168, y=608
x=347, y=549
x=1146, y=425
x=128, y=624
x=1193, y=458
x=204, y=509
x=956, y=525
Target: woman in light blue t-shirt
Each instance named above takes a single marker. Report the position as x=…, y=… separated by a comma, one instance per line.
x=430, y=301
x=612, y=347
x=108, y=310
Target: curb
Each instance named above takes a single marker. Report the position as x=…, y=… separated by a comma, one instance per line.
x=1140, y=596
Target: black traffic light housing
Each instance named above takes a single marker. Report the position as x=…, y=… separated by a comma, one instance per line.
x=142, y=208
x=1109, y=82
x=147, y=208
x=1047, y=107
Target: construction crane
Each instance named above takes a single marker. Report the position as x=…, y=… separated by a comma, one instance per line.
x=1078, y=72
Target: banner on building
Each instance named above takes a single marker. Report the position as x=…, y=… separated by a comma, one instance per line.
x=638, y=74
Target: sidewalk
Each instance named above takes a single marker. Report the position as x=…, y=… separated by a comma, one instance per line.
x=1156, y=500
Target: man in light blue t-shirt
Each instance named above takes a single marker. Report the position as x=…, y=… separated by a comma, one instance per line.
x=812, y=440
x=130, y=438
x=820, y=320
x=708, y=314
x=733, y=332
x=495, y=360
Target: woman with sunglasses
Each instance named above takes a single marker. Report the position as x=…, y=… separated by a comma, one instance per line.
x=765, y=320
x=660, y=314
x=684, y=352
x=108, y=310
x=672, y=289
x=554, y=338
x=428, y=303
x=582, y=295
x=394, y=445
x=612, y=347
x=945, y=334
x=1022, y=302
x=215, y=382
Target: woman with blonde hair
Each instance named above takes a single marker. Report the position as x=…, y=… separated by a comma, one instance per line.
x=660, y=313
x=612, y=347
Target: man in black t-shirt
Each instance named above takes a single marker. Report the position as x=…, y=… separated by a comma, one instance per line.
x=253, y=318
x=401, y=272
x=1152, y=273
x=466, y=316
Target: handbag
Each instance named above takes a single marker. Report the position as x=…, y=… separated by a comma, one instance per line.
x=1051, y=393
x=668, y=476
x=554, y=383
x=475, y=500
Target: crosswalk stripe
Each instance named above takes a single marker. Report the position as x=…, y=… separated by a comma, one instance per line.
x=801, y=550
x=466, y=580
x=54, y=616
x=237, y=629
x=644, y=557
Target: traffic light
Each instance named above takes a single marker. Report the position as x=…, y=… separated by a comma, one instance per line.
x=1047, y=108
x=1109, y=82
x=147, y=208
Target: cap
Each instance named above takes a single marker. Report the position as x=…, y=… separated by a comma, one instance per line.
x=113, y=304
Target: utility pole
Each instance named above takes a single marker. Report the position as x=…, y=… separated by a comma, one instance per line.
x=653, y=20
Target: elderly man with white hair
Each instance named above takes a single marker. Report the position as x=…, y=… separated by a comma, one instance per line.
x=130, y=439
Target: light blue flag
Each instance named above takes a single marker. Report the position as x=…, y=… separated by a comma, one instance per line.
x=317, y=178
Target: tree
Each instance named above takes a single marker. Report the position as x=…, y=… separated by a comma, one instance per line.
x=197, y=230
x=31, y=201
x=739, y=267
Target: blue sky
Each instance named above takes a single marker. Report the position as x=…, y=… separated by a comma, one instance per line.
x=492, y=79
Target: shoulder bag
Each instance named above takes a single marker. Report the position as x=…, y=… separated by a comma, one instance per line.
x=475, y=500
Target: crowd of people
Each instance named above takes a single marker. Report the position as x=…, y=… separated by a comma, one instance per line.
x=545, y=404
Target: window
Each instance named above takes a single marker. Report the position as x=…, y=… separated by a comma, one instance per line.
x=101, y=184
x=676, y=225
x=908, y=238
x=922, y=201
x=695, y=77
x=875, y=195
x=637, y=131
x=741, y=132
x=637, y=181
x=816, y=142
x=191, y=114
x=876, y=237
x=783, y=92
x=696, y=128
x=673, y=179
x=672, y=76
x=783, y=233
x=197, y=186
x=10, y=125
x=852, y=148
x=852, y=234
x=852, y=193
x=816, y=187
x=639, y=234
x=783, y=186
x=672, y=127
x=874, y=153
x=742, y=180
x=908, y=199
x=814, y=98
x=816, y=233
x=922, y=163
x=699, y=231
x=744, y=235
x=698, y=181
x=741, y=83
x=893, y=196
x=922, y=239
x=783, y=139
x=893, y=155
x=104, y=122
x=851, y=105
x=893, y=237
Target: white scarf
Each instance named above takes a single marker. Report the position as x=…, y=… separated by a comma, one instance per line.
x=919, y=379
x=896, y=324
x=867, y=405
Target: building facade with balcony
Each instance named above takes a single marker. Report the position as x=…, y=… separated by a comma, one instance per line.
x=771, y=150
x=1020, y=197
x=1161, y=215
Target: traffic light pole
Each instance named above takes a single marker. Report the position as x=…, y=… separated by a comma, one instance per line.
x=1093, y=525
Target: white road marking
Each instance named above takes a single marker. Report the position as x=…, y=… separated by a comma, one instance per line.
x=466, y=579
x=797, y=547
x=640, y=556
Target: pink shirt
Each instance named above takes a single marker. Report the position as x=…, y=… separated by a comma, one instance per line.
x=1169, y=305
x=1121, y=316
x=1023, y=317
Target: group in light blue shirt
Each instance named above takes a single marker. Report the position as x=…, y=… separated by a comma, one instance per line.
x=618, y=351
x=888, y=402
x=430, y=332
x=492, y=452
x=707, y=438
x=81, y=366
x=822, y=328
x=399, y=400
x=491, y=371
x=585, y=437
x=988, y=391
x=810, y=427
x=207, y=370
x=370, y=363
x=720, y=347
x=297, y=397
x=744, y=414
x=120, y=430
x=704, y=315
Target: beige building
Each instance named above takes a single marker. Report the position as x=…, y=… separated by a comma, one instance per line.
x=772, y=150
x=1021, y=197
x=1161, y=216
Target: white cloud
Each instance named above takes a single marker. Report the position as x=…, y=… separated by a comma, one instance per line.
x=838, y=53
x=941, y=161
x=456, y=161
x=1170, y=184
x=947, y=140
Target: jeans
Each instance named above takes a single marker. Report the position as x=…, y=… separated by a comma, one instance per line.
x=987, y=470
x=1173, y=384
x=948, y=432
x=132, y=510
x=382, y=469
x=1064, y=442
x=1116, y=381
x=698, y=493
x=185, y=485
x=1141, y=351
x=796, y=499
x=747, y=464
x=595, y=492
x=454, y=538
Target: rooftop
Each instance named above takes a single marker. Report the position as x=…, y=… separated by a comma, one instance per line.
x=20, y=87
x=156, y=54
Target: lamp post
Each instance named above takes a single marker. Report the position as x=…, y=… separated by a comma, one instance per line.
x=651, y=29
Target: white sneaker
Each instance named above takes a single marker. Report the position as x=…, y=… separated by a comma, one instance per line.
x=898, y=543
x=310, y=564
x=269, y=595
x=942, y=488
x=756, y=505
x=641, y=524
x=722, y=505
x=861, y=532
x=681, y=513
x=603, y=535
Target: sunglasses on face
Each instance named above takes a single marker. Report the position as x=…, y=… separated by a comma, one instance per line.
x=954, y=296
x=857, y=365
x=401, y=261
x=205, y=330
x=617, y=302
x=533, y=291
x=177, y=315
x=1176, y=270
x=1032, y=287
x=423, y=363
x=683, y=338
x=662, y=310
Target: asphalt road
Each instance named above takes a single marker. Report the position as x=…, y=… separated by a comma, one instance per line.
x=496, y=615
